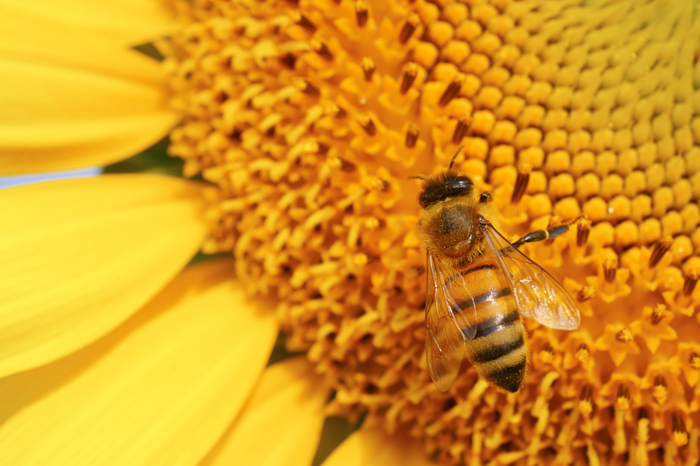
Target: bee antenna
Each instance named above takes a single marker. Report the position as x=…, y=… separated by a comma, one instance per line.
x=455, y=156
x=413, y=177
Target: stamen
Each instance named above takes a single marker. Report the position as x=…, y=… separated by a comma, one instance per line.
x=408, y=29
x=310, y=89
x=583, y=353
x=336, y=111
x=691, y=279
x=412, y=134
x=452, y=90
x=643, y=414
x=361, y=13
x=367, y=124
x=347, y=166
x=463, y=124
x=680, y=434
x=409, y=75
x=323, y=149
x=322, y=50
x=661, y=247
x=304, y=22
x=583, y=231
x=610, y=270
x=623, y=397
x=521, y=182
x=288, y=60
x=547, y=353
x=585, y=293
x=368, y=67
x=660, y=392
x=658, y=314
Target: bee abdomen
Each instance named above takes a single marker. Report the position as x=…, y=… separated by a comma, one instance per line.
x=499, y=353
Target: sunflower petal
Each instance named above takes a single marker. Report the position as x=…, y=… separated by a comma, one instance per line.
x=80, y=256
x=71, y=99
x=373, y=447
x=280, y=424
x=129, y=22
x=161, y=389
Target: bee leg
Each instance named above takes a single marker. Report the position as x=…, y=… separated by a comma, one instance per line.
x=484, y=198
x=541, y=235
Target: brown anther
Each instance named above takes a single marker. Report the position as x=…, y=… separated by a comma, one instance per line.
x=463, y=124
x=680, y=433
x=660, y=391
x=521, y=182
x=310, y=89
x=661, y=247
x=221, y=97
x=322, y=50
x=624, y=335
x=583, y=230
x=583, y=353
x=367, y=124
x=691, y=279
x=337, y=111
x=658, y=314
x=322, y=149
x=412, y=134
x=409, y=75
x=361, y=13
x=368, y=67
x=623, y=397
x=452, y=90
x=288, y=60
x=586, y=393
x=304, y=22
x=610, y=270
x=585, y=293
x=408, y=29
x=347, y=166
x=694, y=361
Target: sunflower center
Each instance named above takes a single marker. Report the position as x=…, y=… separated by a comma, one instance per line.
x=310, y=116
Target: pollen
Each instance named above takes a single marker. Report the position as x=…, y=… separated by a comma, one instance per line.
x=310, y=117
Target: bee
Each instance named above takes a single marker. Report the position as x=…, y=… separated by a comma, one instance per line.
x=479, y=286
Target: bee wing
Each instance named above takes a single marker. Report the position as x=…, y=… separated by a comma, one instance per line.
x=539, y=296
x=448, y=326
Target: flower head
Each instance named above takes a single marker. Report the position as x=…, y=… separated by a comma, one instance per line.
x=310, y=116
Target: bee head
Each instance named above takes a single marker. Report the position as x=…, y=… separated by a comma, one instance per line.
x=446, y=185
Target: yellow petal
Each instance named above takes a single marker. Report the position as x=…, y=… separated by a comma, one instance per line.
x=80, y=256
x=373, y=447
x=161, y=389
x=281, y=423
x=72, y=99
x=130, y=22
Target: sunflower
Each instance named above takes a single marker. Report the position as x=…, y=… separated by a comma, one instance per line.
x=299, y=124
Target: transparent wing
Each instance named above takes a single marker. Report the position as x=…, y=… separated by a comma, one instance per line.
x=448, y=326
x=539, y=296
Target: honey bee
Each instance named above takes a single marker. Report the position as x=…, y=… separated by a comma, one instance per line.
x=479, y=285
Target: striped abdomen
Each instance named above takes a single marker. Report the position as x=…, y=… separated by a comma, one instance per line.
x=498, y=349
